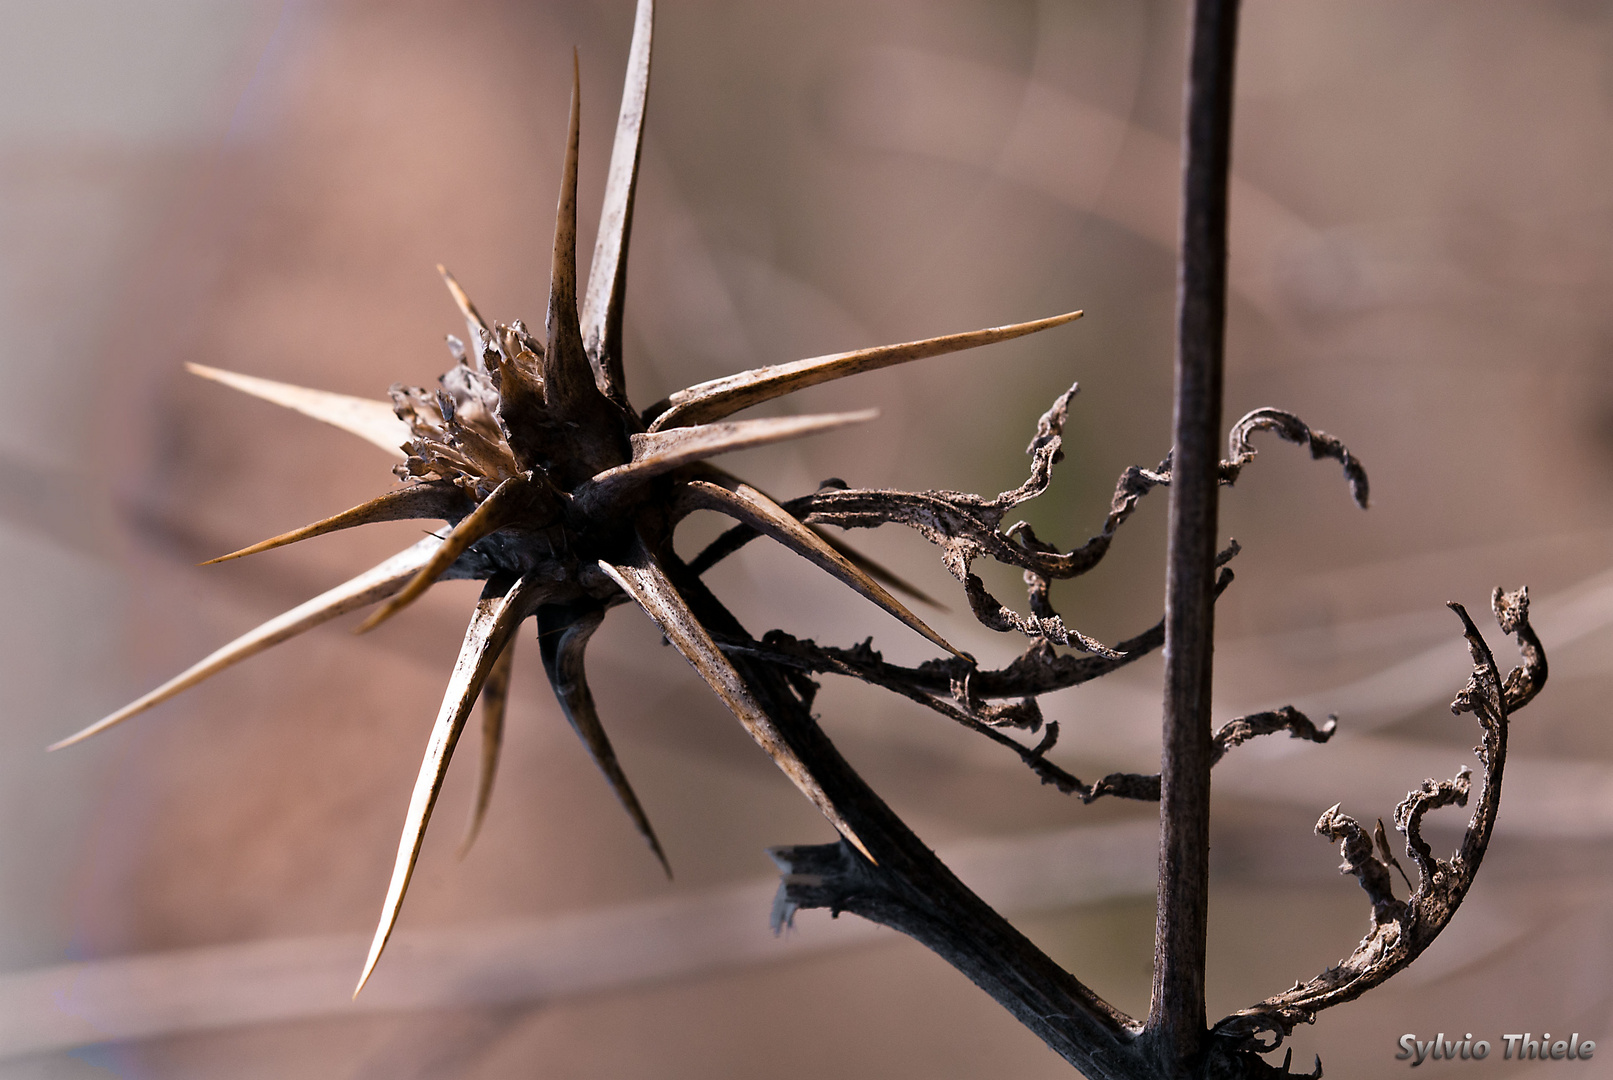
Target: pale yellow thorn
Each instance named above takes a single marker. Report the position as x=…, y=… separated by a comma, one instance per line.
x=495, y=701
x=415, y=501
x=744, y=503
x=717, y=398
x=373, y=421
x=659, y=452
x=607, y=277
x=484, y=520
x=650, y=588
x=490, y=628
x=368, y=587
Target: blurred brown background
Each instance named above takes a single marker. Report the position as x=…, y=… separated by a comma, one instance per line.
x=1422, y=265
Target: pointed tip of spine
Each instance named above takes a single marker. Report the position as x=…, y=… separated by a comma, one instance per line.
x=99, y=726
x=461, y=299
x=376, y=619
x=111, y=720
x=369, y=967
x=856, y=842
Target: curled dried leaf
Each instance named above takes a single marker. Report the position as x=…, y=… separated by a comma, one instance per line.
x=1240, y=451
x=1401, y=931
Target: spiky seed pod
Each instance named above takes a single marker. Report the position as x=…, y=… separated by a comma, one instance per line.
x=562, y=499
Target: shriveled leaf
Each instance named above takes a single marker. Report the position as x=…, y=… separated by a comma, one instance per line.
x=563, y=635
x=607, y=278
x=722, y=397
x=372, y=585
x=646, y=582
x=414, y=501
x=502, y=607
x=372, y=421
x=1240, y=451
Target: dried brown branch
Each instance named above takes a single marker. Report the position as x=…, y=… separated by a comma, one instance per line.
x=1525, y=680
x=905, y=886
x=1297, y=724
x=1232, y=733
x=959, y=691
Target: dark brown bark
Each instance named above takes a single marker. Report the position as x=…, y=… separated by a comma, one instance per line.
x=1176, y=1025
x=911, y=890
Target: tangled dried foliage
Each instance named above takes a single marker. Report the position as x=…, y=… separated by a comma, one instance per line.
x=563, y=499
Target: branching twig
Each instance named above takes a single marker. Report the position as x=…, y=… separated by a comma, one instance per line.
x=969, y=709
x=1401, y=931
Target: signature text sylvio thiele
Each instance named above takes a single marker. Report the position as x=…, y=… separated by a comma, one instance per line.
x=1521, y=1046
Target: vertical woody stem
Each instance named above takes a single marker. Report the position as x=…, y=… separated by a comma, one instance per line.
x=1176, y=1017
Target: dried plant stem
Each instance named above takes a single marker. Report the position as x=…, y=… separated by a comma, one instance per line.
x=1176, y=1025
x=908, y=888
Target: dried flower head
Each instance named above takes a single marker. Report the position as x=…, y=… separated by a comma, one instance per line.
x=563, y=498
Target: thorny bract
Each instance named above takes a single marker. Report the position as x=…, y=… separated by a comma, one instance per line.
x=563, y=499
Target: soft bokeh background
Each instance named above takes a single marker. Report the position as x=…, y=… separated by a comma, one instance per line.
x=1423, y=260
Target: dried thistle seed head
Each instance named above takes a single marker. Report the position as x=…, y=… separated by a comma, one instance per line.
x=456, y=435
x=562, y=498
